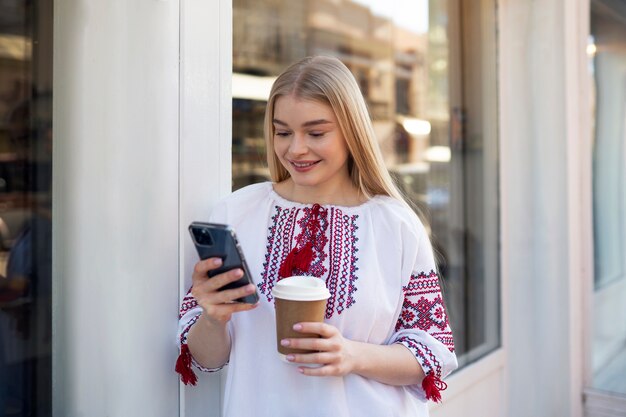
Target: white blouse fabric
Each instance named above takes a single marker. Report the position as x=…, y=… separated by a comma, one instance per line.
x=378, y=264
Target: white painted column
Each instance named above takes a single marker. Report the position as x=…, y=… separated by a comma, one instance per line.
x=116, y=208
x=205, y=158
x=544, y=133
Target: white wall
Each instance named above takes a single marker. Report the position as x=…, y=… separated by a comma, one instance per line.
x=115, y=208
x=545, y=214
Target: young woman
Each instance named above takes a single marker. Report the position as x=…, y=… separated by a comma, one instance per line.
x=331, y=212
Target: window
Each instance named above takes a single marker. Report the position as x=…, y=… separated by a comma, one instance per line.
x=607, y=52
x=431, y=92
x=25, y=207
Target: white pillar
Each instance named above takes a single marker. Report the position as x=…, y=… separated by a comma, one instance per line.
x=206, y=147
x=544, y=137
x=116, y=207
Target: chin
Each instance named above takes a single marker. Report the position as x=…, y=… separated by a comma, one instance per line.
x=305, y=182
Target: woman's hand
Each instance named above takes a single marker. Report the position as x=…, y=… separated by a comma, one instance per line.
x=218, y=306
x=335, y=353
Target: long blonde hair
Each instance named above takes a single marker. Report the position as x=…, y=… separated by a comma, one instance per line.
x=327, y=80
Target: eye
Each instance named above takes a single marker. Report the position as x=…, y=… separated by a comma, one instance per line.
x=282, y=133
x=317, y=134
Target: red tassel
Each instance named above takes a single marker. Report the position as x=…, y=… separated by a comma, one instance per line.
x=183, y=366
x=300, y=259
x=433, y=386
x=287, y=265
x=304, y=257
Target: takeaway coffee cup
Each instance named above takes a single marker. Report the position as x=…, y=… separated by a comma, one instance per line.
x=298, y=299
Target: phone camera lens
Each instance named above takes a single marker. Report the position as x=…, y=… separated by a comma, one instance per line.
x=203, y=237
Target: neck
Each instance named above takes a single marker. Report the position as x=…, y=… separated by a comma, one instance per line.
x=342, y=194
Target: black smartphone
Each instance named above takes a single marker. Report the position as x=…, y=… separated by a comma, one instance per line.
x=214, y=240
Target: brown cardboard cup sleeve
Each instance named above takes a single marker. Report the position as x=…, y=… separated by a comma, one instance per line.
x=297, y=299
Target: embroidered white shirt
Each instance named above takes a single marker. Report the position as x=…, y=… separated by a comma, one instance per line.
x=378, y=264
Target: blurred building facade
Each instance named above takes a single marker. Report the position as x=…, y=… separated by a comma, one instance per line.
x=503, y=121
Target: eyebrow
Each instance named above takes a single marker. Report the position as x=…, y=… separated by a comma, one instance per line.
x=305, y=124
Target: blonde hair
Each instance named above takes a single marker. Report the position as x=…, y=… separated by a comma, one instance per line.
x=327, y=80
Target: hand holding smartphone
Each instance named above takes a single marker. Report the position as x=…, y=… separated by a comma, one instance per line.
x=213, y=240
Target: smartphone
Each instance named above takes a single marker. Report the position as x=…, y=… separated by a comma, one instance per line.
x=214, y=240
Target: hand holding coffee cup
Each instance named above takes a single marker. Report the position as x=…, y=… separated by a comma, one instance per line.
x=298, y=299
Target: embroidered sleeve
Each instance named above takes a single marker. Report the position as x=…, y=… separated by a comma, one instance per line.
x=423, y=328
x=423, y=308
x=189, y=313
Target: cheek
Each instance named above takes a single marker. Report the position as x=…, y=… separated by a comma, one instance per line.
x=343, y=151
x=278, y=149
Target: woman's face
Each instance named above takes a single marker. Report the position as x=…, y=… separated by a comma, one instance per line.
x=309, y=143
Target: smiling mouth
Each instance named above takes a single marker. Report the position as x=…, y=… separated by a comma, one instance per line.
x=302, y=165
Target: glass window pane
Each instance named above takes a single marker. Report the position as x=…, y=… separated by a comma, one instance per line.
x=25, y=207
x=607, y=51
x=437, y=132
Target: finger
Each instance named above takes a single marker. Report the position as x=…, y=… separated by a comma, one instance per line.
x=323, y=329
x=309, y=343
x=220, y=280
x=228, y=296
x=327, y=370
x=222, y=312
x=212, y=297
x=203, y=287
x=321, y=358
x=227, y=309
x=202, y=268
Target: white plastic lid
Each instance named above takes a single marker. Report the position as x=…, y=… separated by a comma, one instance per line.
x=302, y=288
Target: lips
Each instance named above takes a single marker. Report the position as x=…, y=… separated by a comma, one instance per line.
x=302, y=166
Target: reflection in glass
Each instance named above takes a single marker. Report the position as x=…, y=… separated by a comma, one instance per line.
x=25, y=207
x=400, y=54
x=607, y=51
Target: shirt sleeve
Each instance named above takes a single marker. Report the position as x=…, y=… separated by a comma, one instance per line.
x=189, y=314
x=422, y=325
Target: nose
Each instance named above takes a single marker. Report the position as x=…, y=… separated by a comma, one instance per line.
x=298, y=145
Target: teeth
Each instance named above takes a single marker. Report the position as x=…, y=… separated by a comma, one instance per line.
x=299, y=165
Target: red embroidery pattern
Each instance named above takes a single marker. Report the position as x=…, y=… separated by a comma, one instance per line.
x=423, y=308
x=342, y=262
x=278, y=246
x=317, y=268
x=188, y=303
x=334, y=257
x=185, y=332
x=424, y=355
